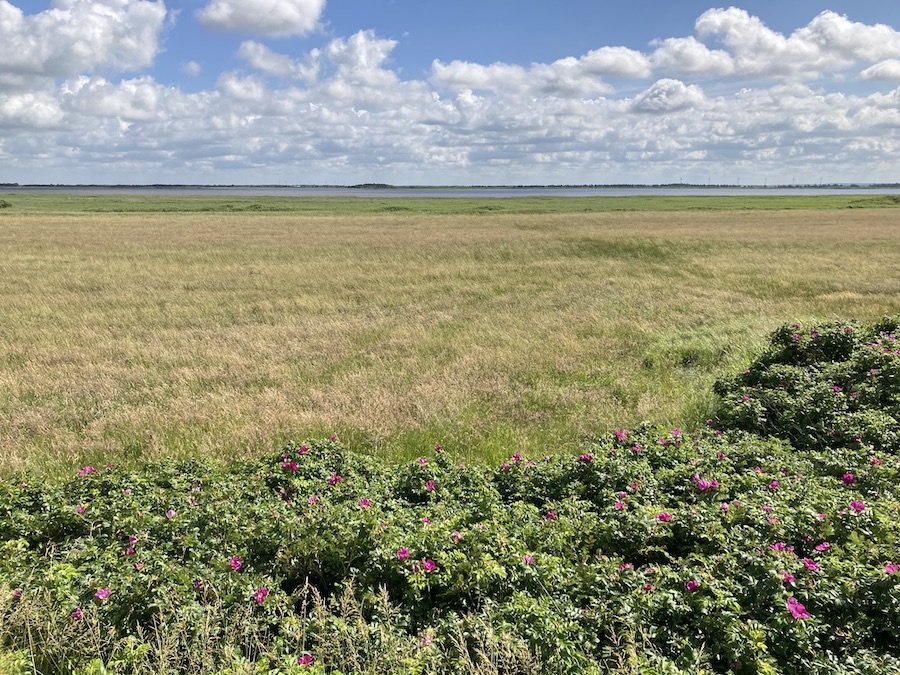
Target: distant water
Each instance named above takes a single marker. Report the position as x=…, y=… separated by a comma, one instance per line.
x=450, y=192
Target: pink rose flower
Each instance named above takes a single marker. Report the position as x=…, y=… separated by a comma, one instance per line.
x=797, y=610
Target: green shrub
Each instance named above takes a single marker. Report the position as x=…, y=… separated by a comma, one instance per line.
x=654, y=552
x=831, y=385
x=673, y=546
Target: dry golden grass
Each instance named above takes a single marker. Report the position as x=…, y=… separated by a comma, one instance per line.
x=127, y=336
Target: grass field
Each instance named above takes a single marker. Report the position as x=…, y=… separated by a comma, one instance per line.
x=133, y=327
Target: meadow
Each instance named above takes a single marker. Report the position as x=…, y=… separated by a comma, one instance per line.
x=136, y=328
x=449, y=436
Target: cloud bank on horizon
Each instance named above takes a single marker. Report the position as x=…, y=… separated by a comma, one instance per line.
x=82, y=100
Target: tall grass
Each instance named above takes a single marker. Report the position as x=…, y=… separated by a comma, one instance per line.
x=224, y=332
x=364, y=638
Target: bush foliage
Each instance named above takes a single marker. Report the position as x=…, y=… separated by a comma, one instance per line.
x=710, y=550
x=834, y=385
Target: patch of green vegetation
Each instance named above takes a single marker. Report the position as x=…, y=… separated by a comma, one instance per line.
x=627, y=251
x=835, y=385
x=875, y=201
x=129, y=203
x=705, y=550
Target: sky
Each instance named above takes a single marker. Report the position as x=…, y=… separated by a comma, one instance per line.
x=470, y=92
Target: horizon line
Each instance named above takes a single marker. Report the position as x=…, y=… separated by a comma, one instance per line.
x=520, y=186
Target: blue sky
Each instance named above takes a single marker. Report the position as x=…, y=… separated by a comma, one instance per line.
x=417, y=92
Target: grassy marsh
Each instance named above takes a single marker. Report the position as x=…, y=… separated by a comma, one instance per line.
x=132, y=328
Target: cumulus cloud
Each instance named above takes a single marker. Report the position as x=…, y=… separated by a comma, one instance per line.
x=262, y=58
x=29, y=111
x=733, y=95
x=669, y=95
x=77, y=36
x=846, y=41
x=245, y=126
x=565, y=77
x=249, y=88
x=346, y=71
x=463, y=75
x=689, y=56
x=615, y=62
x=884, y=70
x=136, y=100
x=266, y=17
x=361, y=57
x=829, y=43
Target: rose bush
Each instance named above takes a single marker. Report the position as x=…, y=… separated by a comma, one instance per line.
x=834, y=385
x=654, y=551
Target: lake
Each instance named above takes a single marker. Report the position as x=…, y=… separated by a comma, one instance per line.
x=445, y=192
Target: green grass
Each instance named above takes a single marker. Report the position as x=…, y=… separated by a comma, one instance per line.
x=130, y=203
x=138, y=327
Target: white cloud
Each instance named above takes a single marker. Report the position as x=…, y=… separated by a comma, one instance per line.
x=689, y=56
x=360, y=58
x=669, y=95
x=736, y=95
x=309, y=133
x=264, y=59
x=77, y=36
x=756, y=49
x=266, y=17
x=140, y=99
x=829, y=43
x=571, y=76
x=463, y=75
x=29, y=111
x=241, y=88
x=845, y=41
x=191, y=68
x=347, y=71
x=615, y=62
x=884, y=70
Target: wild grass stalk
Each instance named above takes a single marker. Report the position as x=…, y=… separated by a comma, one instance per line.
x=130, y=336
x=352, y=637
